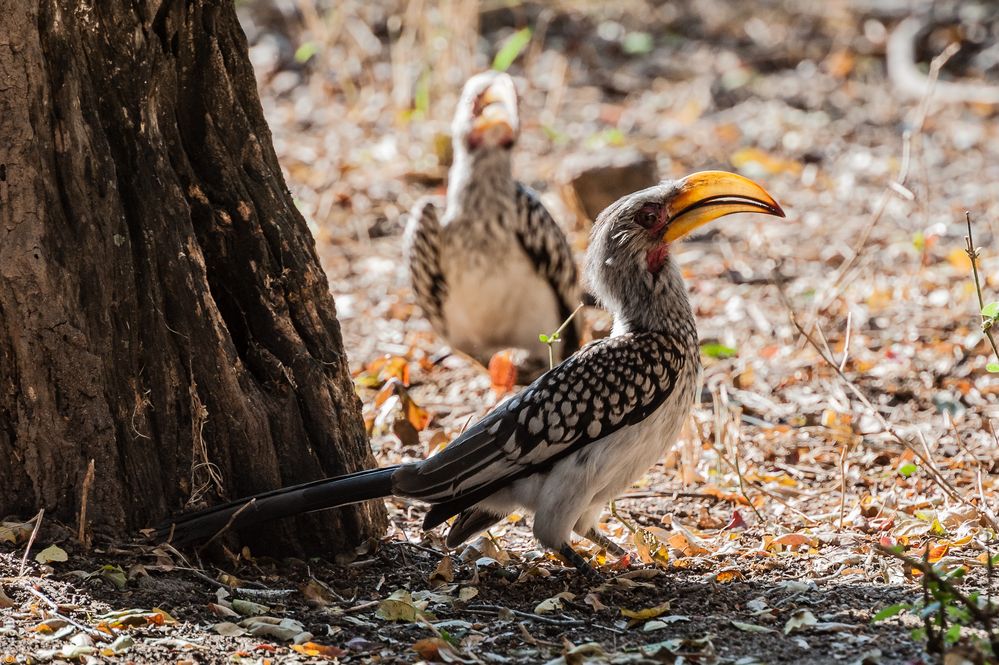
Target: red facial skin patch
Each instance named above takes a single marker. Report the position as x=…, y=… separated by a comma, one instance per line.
x=656, y=257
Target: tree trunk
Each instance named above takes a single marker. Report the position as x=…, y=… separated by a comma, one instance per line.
x=162, y=308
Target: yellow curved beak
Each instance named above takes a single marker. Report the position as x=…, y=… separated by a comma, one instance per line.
x=705, y=196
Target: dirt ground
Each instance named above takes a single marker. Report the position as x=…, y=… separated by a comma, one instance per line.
x=755, y=541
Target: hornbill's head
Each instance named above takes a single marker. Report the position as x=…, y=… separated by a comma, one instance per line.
x=487, y=116
x=628, y=264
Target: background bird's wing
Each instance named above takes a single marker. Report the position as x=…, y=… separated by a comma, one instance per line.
x=422, y=251
x=545, y=243
x=609, y=384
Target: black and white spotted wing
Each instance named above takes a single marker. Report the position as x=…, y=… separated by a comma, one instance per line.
x=422, y=248
x=545, y=244
x=609, y=384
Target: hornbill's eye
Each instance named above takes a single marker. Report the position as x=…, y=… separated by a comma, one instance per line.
x=648, y=216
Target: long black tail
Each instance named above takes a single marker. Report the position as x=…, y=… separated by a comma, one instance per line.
x=285, y=502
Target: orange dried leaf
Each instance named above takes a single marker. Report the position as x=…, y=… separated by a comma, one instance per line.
x=429, y=648
x=959, y=260
x=769, y=163
x=938, y=551
x=417, y=416
x=624, y=563
x=384, y=369
x=839, y=63
x=314, y=650
x=791, y=540
x=385, y=392
x=728, y=575
x=444, y=571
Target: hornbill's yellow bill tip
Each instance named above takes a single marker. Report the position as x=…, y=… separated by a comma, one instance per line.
x=705, y=196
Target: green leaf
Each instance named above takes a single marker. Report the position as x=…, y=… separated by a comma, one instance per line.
x=958, y=613
x=714, y=350
x=113, y=574
x=608, y=137
x=957, y=574
x=953, y=634
x=513, y=47
x=543, y=338
x=907, y=469
x=555, y=135
x=992, y=367
x=637, y=43
x=890, y=611
x=305, y=52
x=421, y=96
x=991, y=311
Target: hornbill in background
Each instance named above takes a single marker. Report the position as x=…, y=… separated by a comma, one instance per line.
x=582, y=432
x=492, y=270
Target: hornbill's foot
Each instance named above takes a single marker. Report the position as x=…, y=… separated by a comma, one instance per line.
x=581, y=564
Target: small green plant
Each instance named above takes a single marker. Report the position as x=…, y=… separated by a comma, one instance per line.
x=512, y=49
x=948, y=614
x=556, y=336
x=306, y=51
x=637, y=43
x=720, y=351
x=989, y=312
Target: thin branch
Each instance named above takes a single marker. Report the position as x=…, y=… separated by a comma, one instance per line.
x=973, y=255
x=228, y=525
x=934, y=474
x=88, y=481
x=627, y=525
x=839, y=282
x=722, y=422
x=557, y=336
x=496, y=609
x=846, y=342
x=31, y=540
x=54, y=611
x=842, y=483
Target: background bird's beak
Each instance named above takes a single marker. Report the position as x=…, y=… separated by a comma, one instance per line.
x=708, y=195
x=495, y=114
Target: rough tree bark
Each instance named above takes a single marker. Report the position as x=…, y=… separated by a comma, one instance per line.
x=162, y=308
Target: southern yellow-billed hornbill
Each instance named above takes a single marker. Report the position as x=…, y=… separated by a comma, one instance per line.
x=581, y=433
x=493, y=269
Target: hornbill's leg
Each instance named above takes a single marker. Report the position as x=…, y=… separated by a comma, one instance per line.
x=599, y=539
x=581, y=564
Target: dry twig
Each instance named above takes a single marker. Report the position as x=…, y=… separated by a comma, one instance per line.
x=54, y=611
x=973, y=256
x=31, y=540
x=88, y=481
x=933, y=473
x=893, y=188
x=228, y=525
